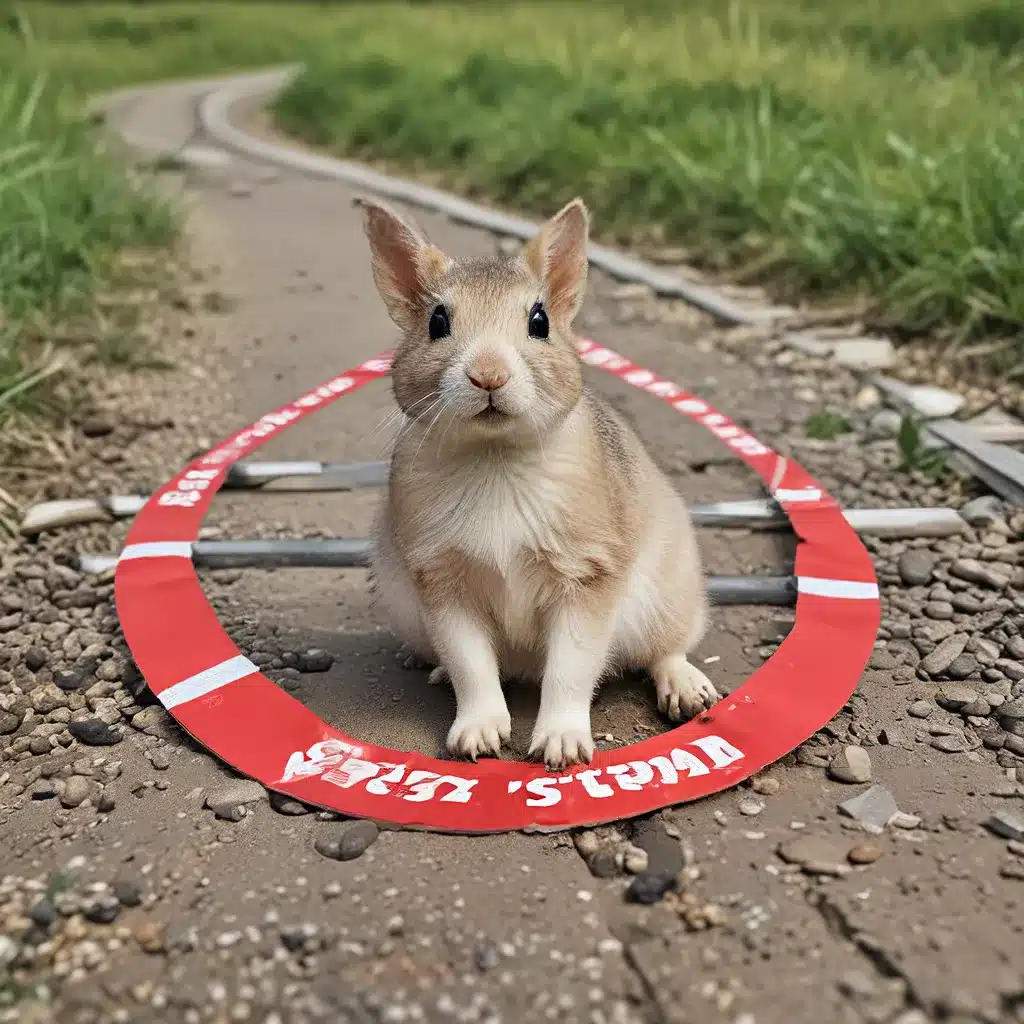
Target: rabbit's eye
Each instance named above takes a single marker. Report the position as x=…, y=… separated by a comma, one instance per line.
x=538, y=324
x=440, y=325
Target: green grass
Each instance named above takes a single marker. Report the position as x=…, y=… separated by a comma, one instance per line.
x=68, y=211
x=825, y=148
x=826, y=425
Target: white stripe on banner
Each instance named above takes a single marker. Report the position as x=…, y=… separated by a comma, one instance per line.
x=157, y=549
x=837, y=588
x=778, y=473
x=207, y=681
x=809, y=494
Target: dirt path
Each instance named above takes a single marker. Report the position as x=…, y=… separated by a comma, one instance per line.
x=234, y=920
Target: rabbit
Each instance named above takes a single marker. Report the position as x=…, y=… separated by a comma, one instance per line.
x=525, y=533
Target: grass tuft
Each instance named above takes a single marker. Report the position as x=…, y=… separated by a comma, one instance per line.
x=67, y=211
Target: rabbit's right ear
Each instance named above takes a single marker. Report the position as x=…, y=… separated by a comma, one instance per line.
x=405, y=265
x=557, y=255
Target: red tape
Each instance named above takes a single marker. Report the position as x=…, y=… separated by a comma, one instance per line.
x=222, y=699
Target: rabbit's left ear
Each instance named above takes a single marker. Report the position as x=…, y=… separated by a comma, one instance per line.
x=404, y=263
x=557, y=254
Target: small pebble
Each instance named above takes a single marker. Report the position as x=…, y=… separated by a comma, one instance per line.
x=76, y=791
x=751, y=808
x=851, y=765
x=151, y=937
x=284, y=804
x=128, y=892
x=159, y=759
x=635, y=860
x=43, y=913
x=864, y=853
x=103, y=910
x=765, y=785
x=353, y=841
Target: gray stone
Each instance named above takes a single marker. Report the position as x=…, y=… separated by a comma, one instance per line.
x=240, y=792
x=1007, y=823
x=934, y=632
x=985, y=649
x=920, y=709
x=35, y=658
x=851, y=765
x=952, y=744
x=905, y=821
x=816, y=855
x=864, y=353
x=284, y=804
x=128, y=892
x=966, y=602
x=43, y=913
x=159, y=759
x=979, y=708
x=944, y=655
x=664, y=862
x=916, y=567
x=1011, y=669
x=228, y=812
x=940, y=611
x=315, y=660
x=1013, y=709
x=982, y=511
x=153, y=721
x=874, y=807
x=1014, y=648
x=973, y=571
x=352, y=842
x=94, y=732
x=881, y=660
x=953, y=698
x=44, y=790
x=649, y=887
x=1015, y=744
x=604, y=863
x=103, y=910
x=963, y=667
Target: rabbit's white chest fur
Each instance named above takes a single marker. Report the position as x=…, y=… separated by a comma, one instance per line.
x=497, y=514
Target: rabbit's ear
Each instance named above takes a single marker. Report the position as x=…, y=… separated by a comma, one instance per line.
x=405, y=264
x=557, y=254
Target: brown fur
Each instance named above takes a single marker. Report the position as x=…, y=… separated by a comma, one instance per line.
x=526, y=530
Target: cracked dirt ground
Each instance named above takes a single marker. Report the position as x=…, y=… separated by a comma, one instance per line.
x=234, y=920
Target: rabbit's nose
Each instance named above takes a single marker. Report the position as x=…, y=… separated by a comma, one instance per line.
x=488, y=381
x=487, y=374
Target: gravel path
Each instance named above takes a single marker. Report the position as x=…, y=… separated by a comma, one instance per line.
x=874, y=875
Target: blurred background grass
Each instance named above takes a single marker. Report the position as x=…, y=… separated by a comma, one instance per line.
x=827, y=149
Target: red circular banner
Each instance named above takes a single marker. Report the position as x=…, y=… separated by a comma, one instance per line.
x=221, y=698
